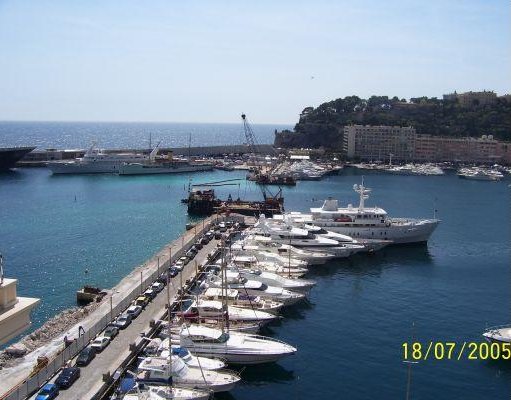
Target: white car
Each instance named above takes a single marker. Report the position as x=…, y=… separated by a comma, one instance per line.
x=100, y=343
x=157, y=286
x=134, y=311
x=179, y=265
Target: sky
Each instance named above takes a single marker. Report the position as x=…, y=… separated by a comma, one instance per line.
x=209, y=61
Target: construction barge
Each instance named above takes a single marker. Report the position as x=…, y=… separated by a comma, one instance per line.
x=204, y=202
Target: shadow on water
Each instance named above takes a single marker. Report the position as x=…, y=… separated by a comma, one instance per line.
x=257, y=375
x=416, y=255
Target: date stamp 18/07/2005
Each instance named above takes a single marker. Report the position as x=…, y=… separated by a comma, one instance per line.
x=417, y=351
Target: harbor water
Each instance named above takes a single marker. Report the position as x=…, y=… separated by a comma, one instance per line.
x=59, y=232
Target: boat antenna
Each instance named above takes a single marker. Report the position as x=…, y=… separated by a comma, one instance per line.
x=1, y=269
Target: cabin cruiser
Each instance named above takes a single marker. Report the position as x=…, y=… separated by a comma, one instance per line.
x=214, y=309
x=480, y=174
x=498, y=334
x=265, y=243
x=367, y=222
x=150, y=392
x=162, y=350
x=254, y=288
x=158, y=370
x=234, y=347
x=96, y=161
x=269, y=278
x=268, y=256
x=235, y=298
x=287, y=233
x=251, y=261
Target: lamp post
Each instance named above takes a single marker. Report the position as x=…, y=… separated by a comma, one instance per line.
x=111, y=308
x=140, y=282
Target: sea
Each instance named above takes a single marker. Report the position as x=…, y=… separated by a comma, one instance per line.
x=350, y=333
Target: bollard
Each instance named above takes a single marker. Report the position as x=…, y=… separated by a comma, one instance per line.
x=152, y=323
x=106, y=377
x=133, y=347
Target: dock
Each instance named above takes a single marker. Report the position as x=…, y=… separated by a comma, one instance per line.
x=97, y=378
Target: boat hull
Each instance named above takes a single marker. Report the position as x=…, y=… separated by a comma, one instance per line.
x=141, y=169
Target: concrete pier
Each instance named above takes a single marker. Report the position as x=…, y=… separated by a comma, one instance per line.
x=16, y=383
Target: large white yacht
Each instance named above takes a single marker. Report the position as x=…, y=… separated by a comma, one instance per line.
x=234, y=347
x=367, y=222
x=235, y=298
x=214, y=309
x=97, y=161
x=166, y=393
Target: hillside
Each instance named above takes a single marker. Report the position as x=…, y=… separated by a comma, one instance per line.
x=323, y=126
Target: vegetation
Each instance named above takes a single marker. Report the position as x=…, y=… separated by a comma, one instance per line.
x=323, y=126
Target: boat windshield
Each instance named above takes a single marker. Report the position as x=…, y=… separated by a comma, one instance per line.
x=223, y=337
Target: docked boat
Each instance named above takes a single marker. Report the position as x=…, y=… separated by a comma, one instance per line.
x=97, y=161
x=367, y=222
x=254, y=288
x=235, y=298
x=234, y=347
x=150, y=392
x=158, y=370
x=160, y=348
x=498, y=334
x=269, y=278
x=310, y=257
x=163, y=167
x=213, y=309
x=480, y=174
x=252, y=262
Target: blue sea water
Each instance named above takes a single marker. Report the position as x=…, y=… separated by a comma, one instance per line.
x=350, y=332
x=133, y=135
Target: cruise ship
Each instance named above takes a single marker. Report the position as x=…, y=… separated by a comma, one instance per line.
x=367, y=222
x=96, y=161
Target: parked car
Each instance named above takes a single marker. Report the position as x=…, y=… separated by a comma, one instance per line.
x=48, y=392
x=111, y=331
x=100, y=343
x=86, y=356
x=218, y=235
x=198, y=244
x=173, y=271
x=150, y=293
x=163, y=278
x=67, y=377
x=157, y=287
x=134, y=311
x=141, y=301
x=205, y=240
x=179, y=265
x=185, y=260
x=123, y=321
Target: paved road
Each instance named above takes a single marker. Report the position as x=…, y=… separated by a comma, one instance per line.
x=117, y=351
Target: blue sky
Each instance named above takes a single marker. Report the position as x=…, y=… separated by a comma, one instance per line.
x=208, y=61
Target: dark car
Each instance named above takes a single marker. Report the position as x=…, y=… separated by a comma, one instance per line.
x=86, y=356
x=198, y=245
x=67, y=377
x=111, y=331
x=173, y=271
x=48, y=392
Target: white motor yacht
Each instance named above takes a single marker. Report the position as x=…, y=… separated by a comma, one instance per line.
x=96, y=161
x=297, y=285
x=254, y=288
x=234, y=347
x=213, y=309
x=265, y=243
x=235, y=298
x=251, y=261
x=158, y=370
x=367, y=222
x=498, y=334
x=149, y=392
x=187, y=357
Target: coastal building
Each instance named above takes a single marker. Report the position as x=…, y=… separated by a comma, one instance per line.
x=367, y=142
x=470, y=99
x=14, y=310
x=484, y=149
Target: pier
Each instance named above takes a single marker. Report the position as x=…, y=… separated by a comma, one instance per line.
x=98, y=376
